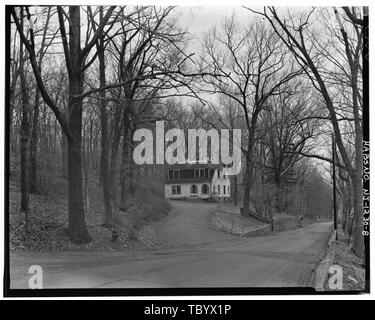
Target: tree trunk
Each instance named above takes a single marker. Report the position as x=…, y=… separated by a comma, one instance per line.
x=358, y=242
x=113, y=160
x=279, y=205
x=345, y=215
x=77, y=226
x=64, y=155
x=85, y=164
x=358, y=239
x=249, y=164
x=12, y=100
x=104, y=176
x=124, y=160
x=131, y=166
x=247, y=185
x=33, y=145
x=24, y=139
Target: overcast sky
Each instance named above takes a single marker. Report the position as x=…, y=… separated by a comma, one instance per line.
x=203, y=18
x=198, y=20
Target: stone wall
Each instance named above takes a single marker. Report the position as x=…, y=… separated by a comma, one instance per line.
x=238, y=225
x=252, y=225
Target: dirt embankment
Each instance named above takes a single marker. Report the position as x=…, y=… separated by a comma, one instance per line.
x=45, y=227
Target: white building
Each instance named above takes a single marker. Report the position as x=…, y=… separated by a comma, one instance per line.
x=189, y=181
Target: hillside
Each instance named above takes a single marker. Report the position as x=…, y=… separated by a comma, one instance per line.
x=48, y=218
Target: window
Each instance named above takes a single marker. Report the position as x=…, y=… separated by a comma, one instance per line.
x=228, y=190
x=206, y=173
x=218, y=189
x=176, y=189
x=193, y=189
x=176, y=174
x=187, y=174
x=205, y=189
x=170, y=174
x=201, y=173
x=196, y=172
x=218, y=173
x=224, y=189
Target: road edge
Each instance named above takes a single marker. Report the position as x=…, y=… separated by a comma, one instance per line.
x=321, y=270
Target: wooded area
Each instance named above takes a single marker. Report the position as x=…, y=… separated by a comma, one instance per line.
x=84, y=79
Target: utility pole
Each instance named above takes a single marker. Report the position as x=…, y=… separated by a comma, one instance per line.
x=334, y=183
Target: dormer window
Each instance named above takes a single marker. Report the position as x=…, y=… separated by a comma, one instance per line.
x=176, y=174
x=173, y=174
x=201, y=173
x=196, y=173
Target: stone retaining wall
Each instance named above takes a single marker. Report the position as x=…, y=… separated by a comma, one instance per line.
x=255, y=226
x=238, y=225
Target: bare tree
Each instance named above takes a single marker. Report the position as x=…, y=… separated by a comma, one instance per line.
x=149, y=61
x=288, y=125
x=249, y=66
x=297, y=35
x=71, y=121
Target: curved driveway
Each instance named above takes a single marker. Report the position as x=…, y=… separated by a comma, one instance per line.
x=189, y=225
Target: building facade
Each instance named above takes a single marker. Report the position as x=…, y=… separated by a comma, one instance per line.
x=196, y=181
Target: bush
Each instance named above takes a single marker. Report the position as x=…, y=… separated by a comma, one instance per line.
x=150, y=201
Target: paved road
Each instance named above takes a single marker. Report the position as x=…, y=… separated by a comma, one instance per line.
x=194, y=255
